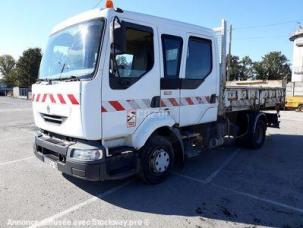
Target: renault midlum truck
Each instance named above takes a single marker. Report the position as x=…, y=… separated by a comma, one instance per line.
x=123, y=93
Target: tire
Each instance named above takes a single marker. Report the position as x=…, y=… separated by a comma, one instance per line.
x=256, y=136
x=157, y=159
x=300, y=108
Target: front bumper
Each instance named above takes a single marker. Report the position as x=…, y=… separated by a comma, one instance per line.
x=115, y=167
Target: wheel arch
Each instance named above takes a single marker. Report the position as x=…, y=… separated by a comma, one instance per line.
x=258, y=116
x=164, y=126
x=174, y=137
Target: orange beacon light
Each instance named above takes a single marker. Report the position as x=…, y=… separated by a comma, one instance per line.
x=109, y=4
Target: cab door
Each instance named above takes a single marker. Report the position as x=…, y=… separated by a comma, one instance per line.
x=172, y=49
x=200, y=81
x=131, y=81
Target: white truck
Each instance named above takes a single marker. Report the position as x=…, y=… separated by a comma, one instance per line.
x=122, y=93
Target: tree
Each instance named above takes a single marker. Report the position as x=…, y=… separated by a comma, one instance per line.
x=27, y=67
x=7, y=65
x=240, y=69
x=234, y=69
x=246, y=68
x=273, y=66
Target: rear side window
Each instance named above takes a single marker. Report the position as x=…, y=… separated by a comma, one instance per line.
x=199, y=58
x=139, y=56
x=172, y=52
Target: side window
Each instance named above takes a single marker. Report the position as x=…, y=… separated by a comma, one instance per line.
x=137, y=60
x=199, y=58
x=172, y=52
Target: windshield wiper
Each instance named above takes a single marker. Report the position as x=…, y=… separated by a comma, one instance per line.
x=70, y=78
x=49, y=81
x=62, y=70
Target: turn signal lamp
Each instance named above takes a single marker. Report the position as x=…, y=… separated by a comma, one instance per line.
x=109, y=4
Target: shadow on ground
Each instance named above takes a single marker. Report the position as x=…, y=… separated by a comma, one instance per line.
x=273, y=173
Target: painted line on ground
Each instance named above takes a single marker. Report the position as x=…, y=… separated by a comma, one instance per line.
x=224, y=164
x=266, y=200
x=15, y=161
x=262, y=199
x=210, y=178
x=189, y=178
x=16, y=110
x=76, y=207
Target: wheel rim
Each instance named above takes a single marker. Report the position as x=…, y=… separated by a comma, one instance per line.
x=160, y=161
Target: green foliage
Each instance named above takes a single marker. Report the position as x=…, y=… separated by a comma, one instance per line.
x=27, y=67
x=234, y=69
x=7, y=65
x=240, y=69
x=273, y=66
x=246, y=68
x=23, y=73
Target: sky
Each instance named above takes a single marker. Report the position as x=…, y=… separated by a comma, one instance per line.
x=260, y=26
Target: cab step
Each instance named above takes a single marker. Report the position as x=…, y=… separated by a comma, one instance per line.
x=192, y=151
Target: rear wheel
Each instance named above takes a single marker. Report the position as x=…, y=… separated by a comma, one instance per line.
x=256, y=134
x=259, y=135
x=157, y=159
x=300, y=108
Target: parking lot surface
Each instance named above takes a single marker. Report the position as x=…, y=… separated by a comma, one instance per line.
x=225, y=187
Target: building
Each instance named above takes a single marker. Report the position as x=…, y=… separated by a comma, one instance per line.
x=297, y=69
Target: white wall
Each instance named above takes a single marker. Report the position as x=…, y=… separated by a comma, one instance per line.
x=297, y=67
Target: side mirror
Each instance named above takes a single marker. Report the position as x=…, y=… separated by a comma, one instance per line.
x=119, y=37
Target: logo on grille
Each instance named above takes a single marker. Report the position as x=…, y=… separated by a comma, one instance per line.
x=48, y=109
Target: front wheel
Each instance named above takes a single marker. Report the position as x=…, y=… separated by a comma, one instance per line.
x=157, y=159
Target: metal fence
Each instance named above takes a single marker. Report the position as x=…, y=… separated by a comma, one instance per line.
x=23, y=92
x=5, y=91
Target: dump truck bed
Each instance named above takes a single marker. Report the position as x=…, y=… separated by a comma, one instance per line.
x=253, y=95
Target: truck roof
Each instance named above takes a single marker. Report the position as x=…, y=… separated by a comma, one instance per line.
x=98, y=13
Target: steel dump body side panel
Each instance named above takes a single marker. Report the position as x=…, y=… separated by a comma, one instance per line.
x=241, y=98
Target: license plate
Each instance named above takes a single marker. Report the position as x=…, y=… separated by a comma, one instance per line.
x=50, y=163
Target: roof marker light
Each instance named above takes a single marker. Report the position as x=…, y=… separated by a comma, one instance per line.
x=109, y=4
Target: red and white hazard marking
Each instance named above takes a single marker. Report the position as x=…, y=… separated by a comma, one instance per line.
x=55, y=98
x=117, y=106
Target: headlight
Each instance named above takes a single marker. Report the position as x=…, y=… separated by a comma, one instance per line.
x=87, y=155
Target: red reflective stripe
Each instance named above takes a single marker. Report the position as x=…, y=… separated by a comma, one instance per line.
x=103, y=109
x=117, y=105
x=44, y=98
x=189, y=100
x=162, y=104
x=38, y=97
x=52, y=98
x=61, y=99
x=33, y=97
x=173, y=101
x=72, y=99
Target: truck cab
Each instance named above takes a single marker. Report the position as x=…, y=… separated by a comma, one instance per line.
x=122, y=93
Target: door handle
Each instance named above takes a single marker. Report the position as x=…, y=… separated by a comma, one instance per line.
x=167, y=93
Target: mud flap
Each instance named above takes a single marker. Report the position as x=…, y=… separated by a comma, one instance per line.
x=272, y=120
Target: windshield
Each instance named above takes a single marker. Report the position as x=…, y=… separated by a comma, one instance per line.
x=72, y=52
